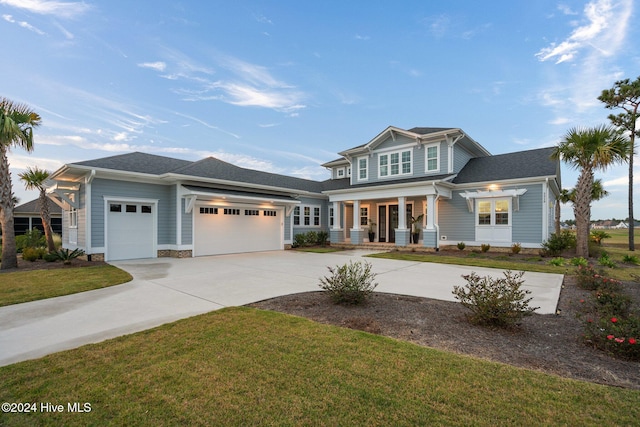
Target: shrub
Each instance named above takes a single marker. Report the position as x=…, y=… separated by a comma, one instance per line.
x=579, y=261
x=516, y=248
x=350, y=283
x=558, y=243
x=618, y=336
x=485, y=247
x=32, y=254
x=461, y=245
x=67, y=256
x=630, y=259
x=50, y=257
x=590, y=279
x=558, y=262
x=299, y=240
x=322, y=237
x=31, y=239
x=496, y=302
x=605, y=261
x=311, y=238
x=597, y=236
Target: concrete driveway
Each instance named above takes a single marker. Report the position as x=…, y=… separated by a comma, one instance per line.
x=167, y=289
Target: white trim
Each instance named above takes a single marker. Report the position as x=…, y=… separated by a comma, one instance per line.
x=388, y=154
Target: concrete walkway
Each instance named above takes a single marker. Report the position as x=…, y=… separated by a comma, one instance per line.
x=166, y=289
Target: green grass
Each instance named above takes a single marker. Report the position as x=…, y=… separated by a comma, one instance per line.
x=319, y=249
x=242, y=366
x=24, y=286
x=476, y=260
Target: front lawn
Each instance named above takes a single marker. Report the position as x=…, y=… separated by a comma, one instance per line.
x=23, y=286
x=242, y=366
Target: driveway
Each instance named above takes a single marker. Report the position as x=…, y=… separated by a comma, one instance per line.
x=168, y=289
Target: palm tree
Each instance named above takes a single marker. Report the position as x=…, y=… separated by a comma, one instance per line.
x=589, y=149
x=563, y=197
x=34, y=179
x=16, y=129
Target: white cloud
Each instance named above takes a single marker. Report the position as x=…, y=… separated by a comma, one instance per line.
x=599, y=32
x=50, y=7
x=23, y=24
x=158, y=65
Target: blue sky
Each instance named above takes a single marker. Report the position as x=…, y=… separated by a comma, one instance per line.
x=283, y=86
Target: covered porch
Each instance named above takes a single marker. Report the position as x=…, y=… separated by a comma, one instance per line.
x=392, y=215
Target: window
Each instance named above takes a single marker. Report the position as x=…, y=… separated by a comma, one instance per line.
x=269, y=213
x=362, y=168
x=115, y=207
x=493, y=212
x=341, y=173
x=251, y=212
x=316, y=216
x=208, y=211
x=296, y=215
x=364, y=216
x=147, y=209
x=307, y=215
x=132, y=208
x=432, y=161
x=229, y=211
x=331, y=217
x=73, y=218
x=392, y=164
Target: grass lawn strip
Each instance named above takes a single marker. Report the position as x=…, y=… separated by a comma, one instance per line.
x=242, y=366
x=25, y=286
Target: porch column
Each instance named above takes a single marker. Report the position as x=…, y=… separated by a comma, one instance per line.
x=430, y=233
x=403, y=234
x=336, y=233
x=356, y=232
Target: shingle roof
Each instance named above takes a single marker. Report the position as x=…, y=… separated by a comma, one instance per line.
x=522, y=164
x=137, y=162
x=33, y=207
x=218, y=169
x=427, y=130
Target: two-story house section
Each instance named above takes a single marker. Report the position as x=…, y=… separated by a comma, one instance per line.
x=442, y=187
x=140, y=205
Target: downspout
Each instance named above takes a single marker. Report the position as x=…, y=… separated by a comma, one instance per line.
x=87, y=204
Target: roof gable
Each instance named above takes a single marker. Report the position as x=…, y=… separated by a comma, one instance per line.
x=521, y=164
x=33, y=207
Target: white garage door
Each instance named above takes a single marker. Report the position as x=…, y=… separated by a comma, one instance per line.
x=227, y=230
x=130, y=230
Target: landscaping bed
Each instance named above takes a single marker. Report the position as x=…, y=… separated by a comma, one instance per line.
x=549, y=343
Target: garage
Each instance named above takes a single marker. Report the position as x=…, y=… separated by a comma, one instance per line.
x=130, y=230
x=237, y=228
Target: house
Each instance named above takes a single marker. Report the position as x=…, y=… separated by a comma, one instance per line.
x=27, y=216
x=140, y=205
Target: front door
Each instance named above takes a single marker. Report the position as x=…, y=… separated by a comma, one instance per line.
x=393, y=222
x=382, y=223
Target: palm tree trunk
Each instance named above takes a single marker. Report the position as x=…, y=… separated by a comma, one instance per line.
x=582, y=211
x=46, y=220
x=557, y=215
x=9, y=255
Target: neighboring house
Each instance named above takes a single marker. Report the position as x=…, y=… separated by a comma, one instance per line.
x=27, y=216
x=141, y=205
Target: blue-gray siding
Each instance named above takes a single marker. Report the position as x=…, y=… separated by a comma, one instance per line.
x=186, y=224
x=527, y=222
x=460, y=158
x=135, y=190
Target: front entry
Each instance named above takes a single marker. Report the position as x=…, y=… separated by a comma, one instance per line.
x=388, y=221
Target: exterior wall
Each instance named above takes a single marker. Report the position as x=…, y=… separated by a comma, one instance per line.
x=460, y=158
x=324, y=217
x=457, y=224
x=166, y=206
x=186, y=224
x=287, y=227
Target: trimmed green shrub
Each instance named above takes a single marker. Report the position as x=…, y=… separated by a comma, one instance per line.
x=495, y=302
x=516, y=248
x=50, y=257
x=558, y=262
x=558, y=243
x=322, y=237
x=630, y=259
x=605, y=261
x=485, y=247
x=32, y=254
x=461, y=245
x=350, y=283
x=579, y=261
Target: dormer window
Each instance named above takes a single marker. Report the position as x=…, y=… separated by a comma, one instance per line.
x=394, y=164
x=363, y=166
x=341, y=173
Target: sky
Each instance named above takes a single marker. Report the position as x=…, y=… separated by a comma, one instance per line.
x=283, y=86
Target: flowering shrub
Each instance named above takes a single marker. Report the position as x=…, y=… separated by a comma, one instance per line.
x=497, y=302
x=618, y=336
x=350, y=283
x=590, y=279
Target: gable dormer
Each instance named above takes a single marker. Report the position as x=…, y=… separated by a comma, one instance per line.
x=418, y=152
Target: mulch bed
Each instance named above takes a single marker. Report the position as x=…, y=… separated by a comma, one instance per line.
x=44, y=265
x=548, y=343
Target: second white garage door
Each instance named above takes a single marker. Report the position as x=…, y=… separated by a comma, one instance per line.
x=130, y=230
x=228, y=230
